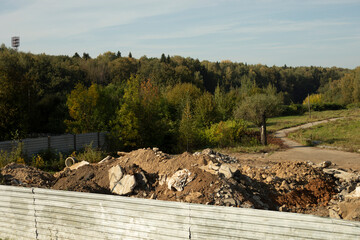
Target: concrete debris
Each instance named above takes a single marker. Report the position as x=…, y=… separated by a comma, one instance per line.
x=179, y=180
x=343, y=175
x=207, y=177
x=334, y=214
x=105, y=160
x=125, y=186
x=226, y=171
x=121, y=154
x=70, y=161
x=78, y=165
x=217, y=156
x=354, y=194
x=115, y=175
x=325, y=164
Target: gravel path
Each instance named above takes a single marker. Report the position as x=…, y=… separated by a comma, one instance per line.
x=299, y=152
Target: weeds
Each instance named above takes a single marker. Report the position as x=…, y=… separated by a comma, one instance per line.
x=15, y=155
x=90, y=154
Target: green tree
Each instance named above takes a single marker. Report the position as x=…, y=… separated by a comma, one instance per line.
x=204, y=111
x=85, y=109
x=187, y=128
x=142, y=118
x=180, y=95
x=224, y=104
x=258, y=107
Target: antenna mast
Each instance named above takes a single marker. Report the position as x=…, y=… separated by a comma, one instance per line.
x=15, y=42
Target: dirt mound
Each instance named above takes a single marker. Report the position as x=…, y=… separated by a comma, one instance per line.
x=211, y=178
x=316, y=192
x=157, y=162
x=22, y=175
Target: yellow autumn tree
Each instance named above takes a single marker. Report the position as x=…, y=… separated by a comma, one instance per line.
x=313, y=99
x=82, y=103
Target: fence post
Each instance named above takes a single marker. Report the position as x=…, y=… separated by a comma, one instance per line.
x=74, y=142
x=98, y=139
x=49, y=142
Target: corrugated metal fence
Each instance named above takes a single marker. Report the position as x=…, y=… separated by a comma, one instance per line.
x=62, y=143
x=33, y=213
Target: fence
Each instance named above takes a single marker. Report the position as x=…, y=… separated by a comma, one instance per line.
x=62, y=143
x=33, y=213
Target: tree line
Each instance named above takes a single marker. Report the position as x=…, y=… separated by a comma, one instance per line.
x=170, y=101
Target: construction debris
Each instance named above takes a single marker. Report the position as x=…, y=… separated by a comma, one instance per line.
x=207, y=177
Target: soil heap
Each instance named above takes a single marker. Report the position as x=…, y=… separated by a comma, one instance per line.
x=206, y=177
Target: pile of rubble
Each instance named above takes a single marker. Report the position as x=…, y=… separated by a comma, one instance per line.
x=206, y=177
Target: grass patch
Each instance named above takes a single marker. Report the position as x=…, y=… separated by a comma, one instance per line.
x=343, y=134
x=250, y=149
x=278, y=123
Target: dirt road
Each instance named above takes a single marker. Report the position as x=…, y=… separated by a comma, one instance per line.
x=299, y=152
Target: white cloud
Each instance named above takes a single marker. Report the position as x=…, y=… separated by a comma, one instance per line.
x=67, y=17
x=287, y=26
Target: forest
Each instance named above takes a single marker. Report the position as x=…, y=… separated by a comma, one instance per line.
x=171, y=102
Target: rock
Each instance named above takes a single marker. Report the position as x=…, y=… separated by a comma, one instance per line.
x=125, y=186
x=269, y=179
x=354, y=194
x=230, y=201
x=207, y=151
x=226, y=171
x=213, y=166
x=342, y=175
x=78, y=165
x=334, y=214
x=141, y=178
x=193, y=196
x=155, y=149
x=162, y=179
x=285, y=186
x=179, y=180
x=121, y=154
x=350, y=209
x=325, y=164
x=283, y=208
x=115, y=175
x=105, y=160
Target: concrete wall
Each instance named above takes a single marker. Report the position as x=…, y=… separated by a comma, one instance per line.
x=33, y=213
x=62, y=143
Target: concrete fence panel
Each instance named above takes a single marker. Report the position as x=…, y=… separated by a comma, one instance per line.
x=33, y=213
x=34, y=145
x=62, y=143
x=86, y=139
x=8, y=145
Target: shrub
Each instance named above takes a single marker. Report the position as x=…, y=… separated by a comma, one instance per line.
x=327, y=106
x=225, y=134
x=38, y=161
x=90, y=154
x=353, y=105
x=292, y=109
x=15, y=155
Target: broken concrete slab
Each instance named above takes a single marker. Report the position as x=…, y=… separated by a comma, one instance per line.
x=115, y=175
x=78, y=165
x=343, y=175
x=179, y=180
x=125, y=186
x=227, y=170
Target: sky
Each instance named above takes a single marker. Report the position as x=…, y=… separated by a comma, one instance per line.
x=272, y=32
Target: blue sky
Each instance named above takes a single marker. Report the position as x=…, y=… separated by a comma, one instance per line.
x=273, y=32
